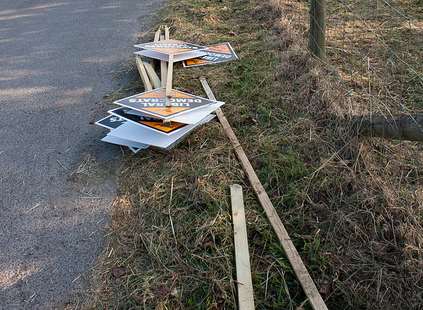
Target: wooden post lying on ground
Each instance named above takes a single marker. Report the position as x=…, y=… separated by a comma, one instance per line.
x=294, y=258
x=404, y=127
x=242, y=256
x=317, y=28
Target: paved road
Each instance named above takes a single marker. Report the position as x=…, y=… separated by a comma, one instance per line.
x=57, y=60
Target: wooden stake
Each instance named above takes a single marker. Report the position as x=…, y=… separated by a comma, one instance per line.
x=294, y=258
x=154, y=78
x=169, y=76
x=157, y=35
x=143, y=73
x=242, y=257
x=167, y=36
x=163, y=68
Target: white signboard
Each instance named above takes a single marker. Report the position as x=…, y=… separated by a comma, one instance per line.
x=132, y=132
x=163, y=49
x=156, y=104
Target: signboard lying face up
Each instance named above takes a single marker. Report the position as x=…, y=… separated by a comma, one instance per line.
x=111, y=122
x=155, y=103
x=141, y=119
x=163, y=49
x=216, y=53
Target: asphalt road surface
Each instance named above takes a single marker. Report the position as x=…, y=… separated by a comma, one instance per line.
x=57, y=61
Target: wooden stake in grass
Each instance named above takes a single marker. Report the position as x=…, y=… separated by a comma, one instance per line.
x=242, y=257
x=294, y=258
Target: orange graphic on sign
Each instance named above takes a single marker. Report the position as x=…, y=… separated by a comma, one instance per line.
x=165, y=111
x=196, y=61
x=161, y=93
x=217, y=53
x=161, y=127
x=157, y=104
x=170, y=50
x=222, y=48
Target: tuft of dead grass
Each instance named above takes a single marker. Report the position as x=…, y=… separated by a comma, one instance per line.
x=352, y=206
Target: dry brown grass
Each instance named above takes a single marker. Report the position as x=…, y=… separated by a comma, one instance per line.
x=352, y=206
x=373, y=210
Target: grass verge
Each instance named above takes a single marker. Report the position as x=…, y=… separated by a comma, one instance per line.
x=352, y=206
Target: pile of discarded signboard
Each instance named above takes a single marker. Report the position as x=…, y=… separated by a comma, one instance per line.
x=161, y=116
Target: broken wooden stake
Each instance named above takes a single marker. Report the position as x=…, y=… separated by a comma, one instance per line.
x=157, y=35
x=146, y=70
x=167, y=36
x=154, y=78
x=242, y=256
x=294, y=258
x=143, y=73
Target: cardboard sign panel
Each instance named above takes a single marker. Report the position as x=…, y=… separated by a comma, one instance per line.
x=135, y=133
x=190, y=118
x=110, y=122
x=154, y=103
x=197, y=115
x=144, y=120
x=170, y=46
x=134, y=149
x=162, y=49
x=132, y=145
x=216, y=53
x=179, y=140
